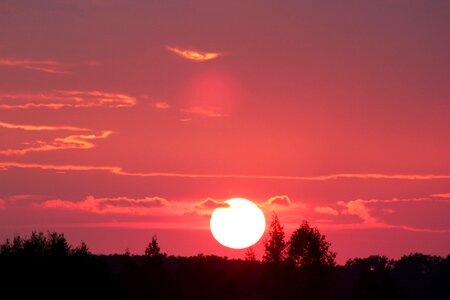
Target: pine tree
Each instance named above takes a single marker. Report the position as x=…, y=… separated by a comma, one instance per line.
x=275, y=246
x=153, y=249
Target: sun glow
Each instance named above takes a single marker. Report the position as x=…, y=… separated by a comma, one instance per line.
x=238, y=226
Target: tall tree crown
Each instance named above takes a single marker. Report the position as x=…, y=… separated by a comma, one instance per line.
x=275, y=246
x=308, y=247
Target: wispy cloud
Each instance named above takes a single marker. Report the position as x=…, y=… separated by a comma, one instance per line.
x=46, y=66
x=203, y=111
x=185, y=120
x=140, y=206
x=177, y=223
x=210, y=203
x=79, y=141
x=119, y=171
x=194, y=55
x=41, y=128
x=326, y=210
x=379, y=225
x=117, y=205
x=161, y=105
x=360, y=209
x=148, y=206
x=66, y=98
x=281, y=200
x=446, y=195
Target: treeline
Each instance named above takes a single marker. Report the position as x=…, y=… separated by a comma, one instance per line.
x=45, y=266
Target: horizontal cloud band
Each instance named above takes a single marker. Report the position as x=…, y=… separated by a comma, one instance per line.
x=119, y=171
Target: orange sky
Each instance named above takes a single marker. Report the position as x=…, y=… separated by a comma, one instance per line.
x=122, y=119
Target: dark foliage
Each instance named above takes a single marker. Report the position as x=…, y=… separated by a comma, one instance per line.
x=275, y=245
x=47, y=267
x=308, y=247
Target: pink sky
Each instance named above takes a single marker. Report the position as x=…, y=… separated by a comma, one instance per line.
x=124, y=119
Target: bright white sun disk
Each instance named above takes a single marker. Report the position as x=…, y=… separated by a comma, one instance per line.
x=238, y=226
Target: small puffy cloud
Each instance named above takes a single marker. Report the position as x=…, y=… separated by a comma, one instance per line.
x=161, y=105
x=358, y=208
x=194, y=55
x=282, y=200
x=326, y=210
x=118, y=205
x=2, y=203
x=210, y=203
x=387, y=211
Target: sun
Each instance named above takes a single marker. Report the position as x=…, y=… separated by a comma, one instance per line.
x=239, y=225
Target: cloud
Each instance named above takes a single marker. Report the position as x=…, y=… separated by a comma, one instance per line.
x=180, y=223
x=198, y=56
x=360, y=209
x=2, y=203
x=66, y=98
x=46, y=66
x=79, y=141
x=204, y=111
x=446, y=195
x=118, y=205
x=120, y=171
x=22, y=197
x=326, y=210
x=358, y=226
x=161, y=105
x=210, y=203
x=41, y=128
x=185, y=120
x=282, y=200
x=7, y=165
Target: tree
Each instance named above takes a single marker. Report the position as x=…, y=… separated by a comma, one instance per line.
x=372, y=263
x=57, y=244
x=36, y=244
x=250, y=254
x=153, y=249
x=308, y=247
x=6, y=248
x=81, y=250
x=275, y=246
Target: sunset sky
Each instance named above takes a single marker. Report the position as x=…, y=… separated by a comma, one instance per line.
x=123, y=119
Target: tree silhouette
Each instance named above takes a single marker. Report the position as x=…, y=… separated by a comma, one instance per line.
x=81, y=250
x=153, y=249
x=57, y=244
x=38, y=259
x=275, y=246
x=308, y=247
x=35, y=245
x=250, y=254
x=6, y=248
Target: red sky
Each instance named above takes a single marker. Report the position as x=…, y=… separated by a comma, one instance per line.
x=120, y=119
